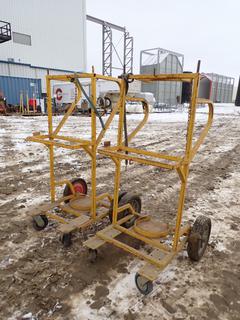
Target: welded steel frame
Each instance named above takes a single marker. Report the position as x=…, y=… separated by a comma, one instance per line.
x=128, y=53
x=5, y=31
x=108, y=47
x=180, y=164
x=54, y=140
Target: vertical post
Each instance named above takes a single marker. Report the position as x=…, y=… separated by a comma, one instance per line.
x=119, y=142
x=116, y=190
x=27, y=102
x=103, y=56
x=157, y=83
x=21, y=109
x=171, y=83
x=94, y=147
x=50, y=131
x=121, y=111
x=190, y=129
x=124, y=51
x=127, y=53
x=107, y=49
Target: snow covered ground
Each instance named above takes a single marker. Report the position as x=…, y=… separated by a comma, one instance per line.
x=42, y=280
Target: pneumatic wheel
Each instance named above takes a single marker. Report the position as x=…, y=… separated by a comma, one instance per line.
x=198, y=238
x=135, y=202
x=144, y=285
x=125, y=198
x=40, y=222
x=110, y=211
x=79, y=185
x=92, y=255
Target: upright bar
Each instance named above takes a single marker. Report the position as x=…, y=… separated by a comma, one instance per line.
x=94, y=146
x=50, y=132
x=119, y=142
x=190, y=128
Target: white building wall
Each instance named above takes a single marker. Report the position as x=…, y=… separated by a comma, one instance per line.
x=27, y=71
x=4, y=69
x=57, y=29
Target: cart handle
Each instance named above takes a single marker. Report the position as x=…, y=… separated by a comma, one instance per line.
x=205, y=129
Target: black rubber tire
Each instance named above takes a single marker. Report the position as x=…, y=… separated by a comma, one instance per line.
x=67, y=190
x=40, y=222
x=66, y=239
x=198, y=238
x=92, y=255
x=110, y=211
x=144, y=286
x=136, y=203
x=100, y=102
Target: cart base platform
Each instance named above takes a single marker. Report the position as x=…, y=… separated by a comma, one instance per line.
x=156, y=261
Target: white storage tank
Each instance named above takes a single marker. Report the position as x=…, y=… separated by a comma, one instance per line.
x=162, y=61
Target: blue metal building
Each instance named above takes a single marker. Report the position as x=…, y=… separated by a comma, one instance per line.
x=12, y=87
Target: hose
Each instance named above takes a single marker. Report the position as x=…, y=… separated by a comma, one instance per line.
x=92, y=106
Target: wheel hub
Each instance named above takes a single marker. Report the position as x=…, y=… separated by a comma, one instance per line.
x=78, y=188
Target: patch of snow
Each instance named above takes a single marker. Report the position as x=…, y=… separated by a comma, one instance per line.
x=6, y=262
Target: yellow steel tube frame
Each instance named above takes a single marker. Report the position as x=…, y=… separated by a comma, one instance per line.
x=90, y=146
x=180, y=164
x=54, y=139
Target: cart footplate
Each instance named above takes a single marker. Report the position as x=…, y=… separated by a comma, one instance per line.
x=43, y=208
x=96, y=242
x=157, y=260
x=151, y=271
x=67, y=209
x=74, y=224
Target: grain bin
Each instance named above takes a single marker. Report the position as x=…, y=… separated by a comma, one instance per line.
x=162, y=61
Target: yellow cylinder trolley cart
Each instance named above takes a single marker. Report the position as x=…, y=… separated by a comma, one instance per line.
x=75, y=201
x=126, y=218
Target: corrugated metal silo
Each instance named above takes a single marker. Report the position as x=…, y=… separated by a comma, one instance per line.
x=216, y=87
x=162, y=61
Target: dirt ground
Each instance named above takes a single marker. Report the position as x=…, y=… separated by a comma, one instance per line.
x=39, y=279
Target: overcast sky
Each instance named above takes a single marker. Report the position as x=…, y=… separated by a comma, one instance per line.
x=200, y=29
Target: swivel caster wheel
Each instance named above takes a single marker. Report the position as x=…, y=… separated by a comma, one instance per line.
x=92, y=255
x=40, y=222
x=66, y=239
x=144, y=285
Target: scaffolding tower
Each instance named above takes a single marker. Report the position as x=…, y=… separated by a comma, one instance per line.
x=5, y=31
x=108, y=48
